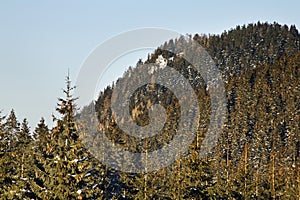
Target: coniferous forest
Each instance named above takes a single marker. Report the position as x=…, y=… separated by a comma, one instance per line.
x=257, y=155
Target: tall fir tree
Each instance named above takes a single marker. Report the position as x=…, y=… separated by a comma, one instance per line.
x=9, y=171
x=68, y=171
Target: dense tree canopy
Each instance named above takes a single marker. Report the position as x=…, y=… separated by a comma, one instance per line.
x=257, y=155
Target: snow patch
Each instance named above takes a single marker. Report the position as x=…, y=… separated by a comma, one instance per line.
x=161, y=61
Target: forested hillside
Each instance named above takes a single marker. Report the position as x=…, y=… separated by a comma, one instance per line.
x=257, y=155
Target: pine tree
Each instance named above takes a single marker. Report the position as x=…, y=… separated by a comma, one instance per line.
x=41, y=148
x=9, y=172
x=68, y=171
x=23, y=160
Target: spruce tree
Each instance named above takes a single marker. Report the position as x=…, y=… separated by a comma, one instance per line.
x=23, y=160
x=41, y=148
x=9, y=172
x=68, y=171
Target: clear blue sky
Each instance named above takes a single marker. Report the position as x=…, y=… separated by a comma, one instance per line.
x=40, y=40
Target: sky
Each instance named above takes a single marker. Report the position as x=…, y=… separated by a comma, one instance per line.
x=41, y=40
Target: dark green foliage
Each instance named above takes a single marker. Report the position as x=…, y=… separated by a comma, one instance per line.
x=16, y=159
x=258, y=151
x=63, y=167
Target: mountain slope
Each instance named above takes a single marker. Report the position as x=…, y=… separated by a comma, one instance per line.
x=257, y=155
